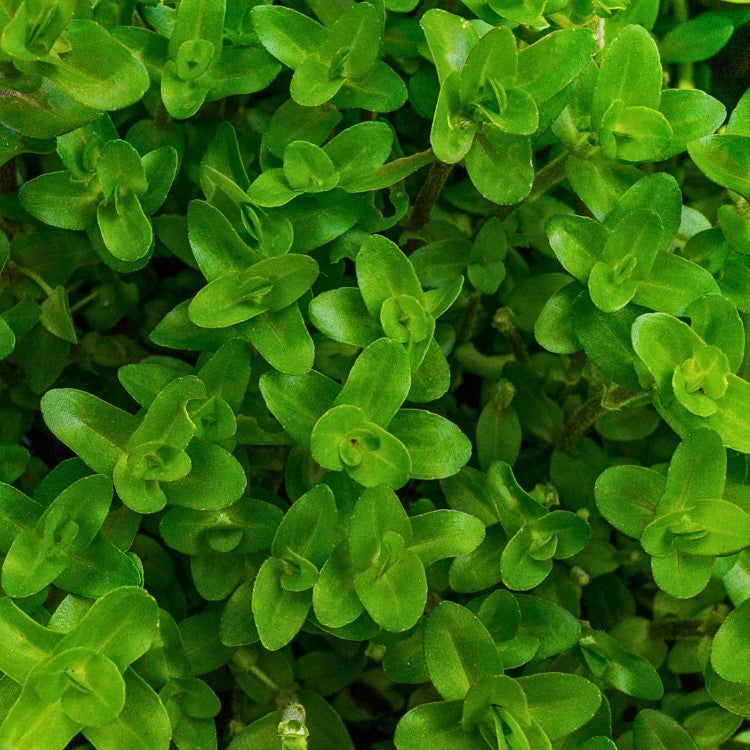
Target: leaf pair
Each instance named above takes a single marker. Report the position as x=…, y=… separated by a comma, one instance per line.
x=693, y=366
x=448, y=254
x=339, y=64
x=633, y=119
x=482, y=707
x=198, y=67
x=359, y=428
x=253, y=295
x=389, y=300
x=81, y=680
x=71, y=63
x=491, y=94
x=219, y=541
x=352, y=161
x=59, y=539
x=114, y=199
x=283, y=590
x=682, y=522
x=536, y=535
x=627, y=256
x=380, y=567
x=154, y=460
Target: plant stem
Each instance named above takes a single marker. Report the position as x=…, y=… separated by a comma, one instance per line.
x=263, y=677
x=488, y=366
x=503, y=322
x=677, y=630
x=8, y=181
x=469, y=319
x=428, y=195
x=685, y=77
x=35, y=277
x=583, y=417
x=85, y=301
x=548, y=176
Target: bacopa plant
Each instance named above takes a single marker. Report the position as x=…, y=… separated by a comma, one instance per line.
x=373, y=374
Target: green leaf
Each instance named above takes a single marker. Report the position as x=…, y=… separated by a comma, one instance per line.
x=577, y=241
x=309, y=527
x=452, y=134
x=378, y=381
x=437, y=447
x=396, y=596
x=493, y=59
x=697, y=38
x=125, y=229
x=358, y=151
x=377, y=512
x=56, y=198
x=662, y=342
x=739, y=122
x=697, y=471
x=342, y=316
x=144, y=720
x=622, y=669
x=7, y=339
x=99, y=71
x=383, y=271
x=269, y=285
x=121, y=625
x=730, y=656
x=554, y=327
x=282, y=339
x=92, y=428
x=45, y=112
x=549, y=65
x=216, y=478
x=66, y=528
x=560, y=702
x=343, y=439
x=440, y=534
x=312, y=85
x=279, y=614
x=627, y=496
x=673, y=284
x=438, y=724
x=308, y=168
x=715, y=319
x=32, y=643
x=450, y=40
x=33, y=723
x=298, y=401
x=287, y=34
x=458, y=650
x=480, y=568
x=630, y=72
x=692, y=114
x=104, y=697
x=217, y=247
x=633, y=134
x=496, y=152
x=720, y=158
x=335, y=600
x=653, y=729
x=55, y=315
x=680, y=574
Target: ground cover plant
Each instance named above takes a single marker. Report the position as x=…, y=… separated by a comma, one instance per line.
x=373, y=374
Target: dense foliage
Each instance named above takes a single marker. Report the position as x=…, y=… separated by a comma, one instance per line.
x=372, y=374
